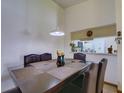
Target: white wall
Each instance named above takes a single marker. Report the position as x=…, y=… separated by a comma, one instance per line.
x=13, y=39
x=25, y=29
x=118, y=4
x=91, y=13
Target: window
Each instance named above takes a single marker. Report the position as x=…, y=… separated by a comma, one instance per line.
x=97, y=45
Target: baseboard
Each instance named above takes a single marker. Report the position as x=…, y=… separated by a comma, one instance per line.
x=111, y=84
x=114, y=85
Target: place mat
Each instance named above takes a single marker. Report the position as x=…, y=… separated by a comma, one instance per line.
x=44, y=66
x=62, y=72
x=25, y=73
x=76, y=65
x=39, y=83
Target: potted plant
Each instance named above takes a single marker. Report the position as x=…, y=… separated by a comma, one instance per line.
x=72, y=47
x=110, y=49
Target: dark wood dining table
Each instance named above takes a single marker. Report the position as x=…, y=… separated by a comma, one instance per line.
x=45, y=76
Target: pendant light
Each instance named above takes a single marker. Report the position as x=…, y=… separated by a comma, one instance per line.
x=57, y=32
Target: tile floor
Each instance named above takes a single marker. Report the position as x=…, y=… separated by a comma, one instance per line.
x=109, y=89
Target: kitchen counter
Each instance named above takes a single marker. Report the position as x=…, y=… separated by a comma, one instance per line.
x=100, y=53
x=114, y=54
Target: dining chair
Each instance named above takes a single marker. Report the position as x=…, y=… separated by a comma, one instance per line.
x=96, y=77
x=92, y=79
x=31, y=58
x=101, y=75
x=46, y=57
x=80, y=56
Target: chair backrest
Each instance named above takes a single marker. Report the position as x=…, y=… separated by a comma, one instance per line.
x=80, y=56
x=101, y=75
x=31, y=58
x=46, y=57
x=92, y=78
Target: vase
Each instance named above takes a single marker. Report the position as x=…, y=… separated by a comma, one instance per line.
x=58, y=63
x=110, y=50
x=62, y=60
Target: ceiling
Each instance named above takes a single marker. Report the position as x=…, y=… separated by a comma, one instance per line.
x=68, y=3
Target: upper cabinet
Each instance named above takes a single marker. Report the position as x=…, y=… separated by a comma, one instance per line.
x=89, y=34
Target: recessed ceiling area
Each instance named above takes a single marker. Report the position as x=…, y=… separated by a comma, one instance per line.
x=68, y=3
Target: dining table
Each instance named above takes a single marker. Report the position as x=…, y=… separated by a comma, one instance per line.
x=45, y=76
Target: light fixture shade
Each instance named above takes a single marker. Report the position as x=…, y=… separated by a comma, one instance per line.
x=57, y=32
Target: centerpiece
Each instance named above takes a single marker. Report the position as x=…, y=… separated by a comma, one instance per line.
x=60, y=58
